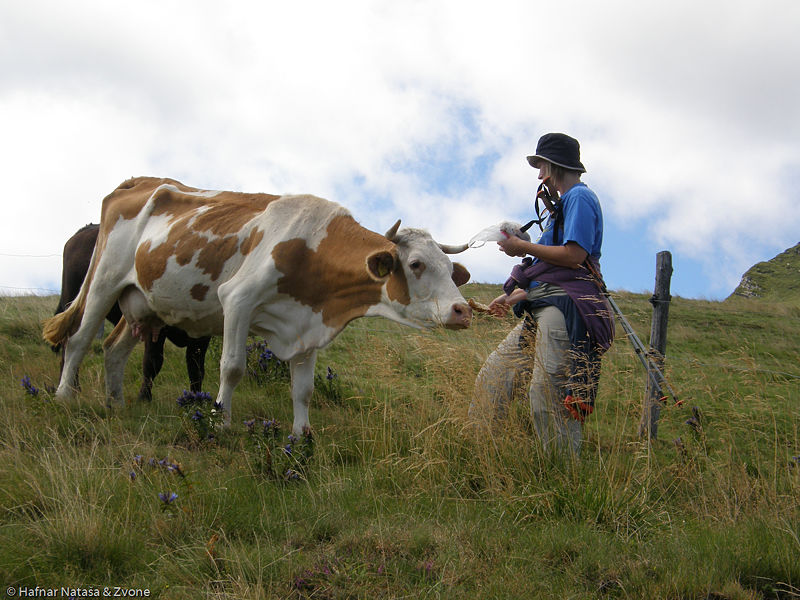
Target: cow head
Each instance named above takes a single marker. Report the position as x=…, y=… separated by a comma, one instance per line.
x=421, y=282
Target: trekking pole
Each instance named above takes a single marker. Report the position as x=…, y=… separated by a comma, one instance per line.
x=653, y=371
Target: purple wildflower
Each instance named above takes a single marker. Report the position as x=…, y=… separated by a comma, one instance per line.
x=188, y=398
x=29, y=388
x=271, y=427
x=167, y=497
x=175, y=468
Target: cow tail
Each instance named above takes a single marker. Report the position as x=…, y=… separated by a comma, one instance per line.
x=58, y=328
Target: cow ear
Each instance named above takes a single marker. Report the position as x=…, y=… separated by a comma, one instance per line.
x=460, y=274
x=380, y=265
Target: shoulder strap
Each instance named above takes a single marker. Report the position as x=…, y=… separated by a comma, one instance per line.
x=552, y=203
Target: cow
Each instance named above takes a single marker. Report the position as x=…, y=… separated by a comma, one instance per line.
x=75, y=263
x=294, y=269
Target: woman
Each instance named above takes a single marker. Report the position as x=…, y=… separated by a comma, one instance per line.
x=568, y=323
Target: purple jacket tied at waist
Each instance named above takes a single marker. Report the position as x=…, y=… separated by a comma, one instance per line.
x=579, y=286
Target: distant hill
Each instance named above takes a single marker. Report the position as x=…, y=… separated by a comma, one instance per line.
x=775, y=279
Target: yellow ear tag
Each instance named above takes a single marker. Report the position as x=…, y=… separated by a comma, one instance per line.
x=383, y=270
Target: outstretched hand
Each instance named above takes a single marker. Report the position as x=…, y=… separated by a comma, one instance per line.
x=499, y=306
x=513, y=246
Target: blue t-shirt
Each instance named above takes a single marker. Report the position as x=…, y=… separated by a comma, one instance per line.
x=583, y=221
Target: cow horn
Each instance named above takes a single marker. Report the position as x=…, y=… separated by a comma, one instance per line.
x=447, y=249
x=392, y=233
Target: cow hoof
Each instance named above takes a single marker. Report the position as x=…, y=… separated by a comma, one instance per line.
x=114, y=401
x=65, y=392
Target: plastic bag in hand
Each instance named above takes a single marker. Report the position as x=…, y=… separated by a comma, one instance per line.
x=498, y=232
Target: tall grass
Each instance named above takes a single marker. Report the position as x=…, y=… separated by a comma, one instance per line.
x=404, y=495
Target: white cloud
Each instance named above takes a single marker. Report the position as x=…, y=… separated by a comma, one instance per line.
x=687, y=113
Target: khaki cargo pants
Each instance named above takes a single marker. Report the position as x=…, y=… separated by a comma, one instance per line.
x=546, y=362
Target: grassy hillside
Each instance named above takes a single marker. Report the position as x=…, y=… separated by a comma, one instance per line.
x=401, y=496
x=775, y=279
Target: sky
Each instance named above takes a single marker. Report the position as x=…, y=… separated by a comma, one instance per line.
x=688, y=115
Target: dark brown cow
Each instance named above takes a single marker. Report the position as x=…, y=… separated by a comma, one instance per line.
x=76, y=258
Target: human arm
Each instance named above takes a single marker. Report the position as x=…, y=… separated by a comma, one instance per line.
x=570, y=255
x=500, y=305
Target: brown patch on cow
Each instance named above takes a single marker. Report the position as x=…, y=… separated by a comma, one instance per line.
x=397, y=287
x=189, y=232
x=251, y=241
x=199, y=291
x=131, y=196
x=223, y=216
x=215, y=254
x=334, y=279
x=150, y=265
x=174, y=203
x=184, y=243
x=229, y=212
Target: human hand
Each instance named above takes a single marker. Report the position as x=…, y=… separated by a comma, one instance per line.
x=499, y=306
x=513, y=246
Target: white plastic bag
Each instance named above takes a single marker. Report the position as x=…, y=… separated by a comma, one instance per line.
x=498, y=232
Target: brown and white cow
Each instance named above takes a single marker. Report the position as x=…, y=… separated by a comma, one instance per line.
x=293, y=269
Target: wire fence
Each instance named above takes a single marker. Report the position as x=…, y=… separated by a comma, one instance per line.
x=10, y=290
x=30, y=255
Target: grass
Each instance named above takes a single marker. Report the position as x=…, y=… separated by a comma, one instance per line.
x=403, y=497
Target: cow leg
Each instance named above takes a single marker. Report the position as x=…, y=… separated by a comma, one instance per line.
x=302, y=369
x=152, y=362
x=233, y=362
x=75, y=384
x=98, y=303
x=117, y=349
x=196, y=362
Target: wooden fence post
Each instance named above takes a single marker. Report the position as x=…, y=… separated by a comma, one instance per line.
x=648, y=427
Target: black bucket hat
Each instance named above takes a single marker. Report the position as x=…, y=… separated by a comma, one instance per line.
x=559, y=149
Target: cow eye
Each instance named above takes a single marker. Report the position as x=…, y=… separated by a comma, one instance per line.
x=415, y=265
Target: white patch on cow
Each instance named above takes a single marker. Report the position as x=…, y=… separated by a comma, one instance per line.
x=196, y=193
x=291, y=328
x=156, y=230
x=204, y=193
x=392, y=311
x=282, y=221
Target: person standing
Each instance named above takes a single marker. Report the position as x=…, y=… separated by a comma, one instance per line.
x=567, y=322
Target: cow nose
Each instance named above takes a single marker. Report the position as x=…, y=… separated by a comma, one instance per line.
x=460, y=316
